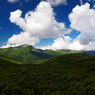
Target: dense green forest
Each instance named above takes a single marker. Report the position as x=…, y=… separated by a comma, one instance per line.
x=71, y=74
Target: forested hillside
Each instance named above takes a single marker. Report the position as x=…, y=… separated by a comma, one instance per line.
x=7, y=60
x=25, y=54
x=29, y=54
x=71, y=74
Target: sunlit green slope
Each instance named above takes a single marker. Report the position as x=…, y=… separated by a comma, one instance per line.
x=29, y=54
x=25, y=54
x=6, y=60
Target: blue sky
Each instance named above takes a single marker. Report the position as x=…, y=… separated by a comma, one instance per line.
x=50, y=24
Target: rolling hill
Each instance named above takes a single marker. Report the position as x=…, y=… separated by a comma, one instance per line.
x=71, y=74
x=29, y=54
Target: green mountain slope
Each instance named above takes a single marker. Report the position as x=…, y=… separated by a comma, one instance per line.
x=28, y=54
x=71, y=74
x=6, y=60
x=25, y=54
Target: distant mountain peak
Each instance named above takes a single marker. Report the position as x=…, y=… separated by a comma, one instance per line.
x=24, y=45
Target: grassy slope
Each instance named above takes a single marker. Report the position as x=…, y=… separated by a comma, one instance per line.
x=25, y=54
x=29, y=54
x=72, y=74
x=6, y=60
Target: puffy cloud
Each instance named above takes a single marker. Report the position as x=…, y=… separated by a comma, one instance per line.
x=36, y=24
x=57, y=2
x=65, y=43
x=82, y=19
x=23, y=38
x=59, y=43
x=5, y=46
x=13, y=1
x=77, y=46
x=67, y=31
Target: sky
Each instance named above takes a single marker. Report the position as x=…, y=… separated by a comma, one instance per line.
x=48, y=24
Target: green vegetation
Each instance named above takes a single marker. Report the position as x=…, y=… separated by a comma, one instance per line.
x=60, y=52
x=7, y=60
x=25, y=54
x=28, y=54
x=71, y=74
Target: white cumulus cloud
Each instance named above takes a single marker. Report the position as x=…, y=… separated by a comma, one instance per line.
x=65, y=43
x=37, y=24
x=82, y=19
x=59, y=43
x=23, y=38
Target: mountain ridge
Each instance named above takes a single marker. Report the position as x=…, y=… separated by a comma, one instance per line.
x=29, y=54
x=25, y=53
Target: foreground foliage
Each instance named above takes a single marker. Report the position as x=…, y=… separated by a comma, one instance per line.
x=72, y=74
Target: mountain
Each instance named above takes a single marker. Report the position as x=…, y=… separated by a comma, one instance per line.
x=25, y=53
x=28, y=54
x=92, y=52
x=70, y=74
x=60, y=52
